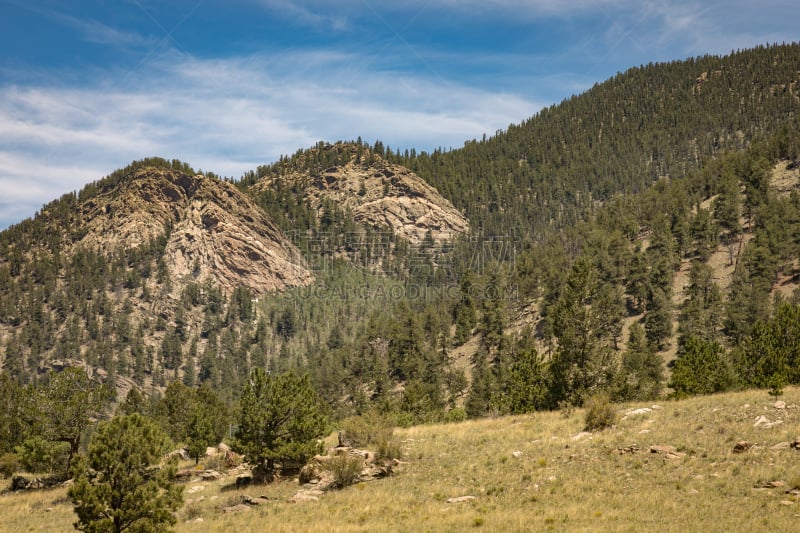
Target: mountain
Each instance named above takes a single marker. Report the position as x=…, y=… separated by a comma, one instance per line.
x=654, y=218
x=375, y=192
x=213, y=232
x=652, y=122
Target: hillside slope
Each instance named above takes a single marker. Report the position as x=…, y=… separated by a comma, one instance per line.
x=533, y=472
x=621, y=136
x=213, y=232
x=376, y=193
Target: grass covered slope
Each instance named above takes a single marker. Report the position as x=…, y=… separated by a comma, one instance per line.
x=531, y=473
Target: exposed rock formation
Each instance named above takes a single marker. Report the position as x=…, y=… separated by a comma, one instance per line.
x=378, y=194
x=213, y=231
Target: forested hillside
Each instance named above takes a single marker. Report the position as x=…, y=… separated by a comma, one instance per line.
x=653, y=219
x=620, y=137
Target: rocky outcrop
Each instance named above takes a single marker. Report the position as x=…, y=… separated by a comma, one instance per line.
x=213, y=232
x=378, y=194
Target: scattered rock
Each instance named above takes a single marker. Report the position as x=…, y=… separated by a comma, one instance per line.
x=461, y=499
x=196, y=488
x=243, y=480
x=259, y=500
x=633, y=448
x=780, y=404
x=236, y=508
x=185, y=474
x=582, y=435
x=303, y=496
x=765, y=423
x=20, y=482
x=771, y=484
x=181, y=453
x=796, y=444
x=343, y=440
x=781, y=446
x=210, y=475
x=668, y=451
x=642, y=432
x=742, y=446
x=787, y=502
x=639, y=411
x=516, y=455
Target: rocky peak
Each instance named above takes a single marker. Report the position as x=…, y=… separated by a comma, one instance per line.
x=213, y=231
x=377, y=193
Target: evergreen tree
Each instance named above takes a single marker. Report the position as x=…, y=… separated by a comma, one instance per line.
x=702, y=368
x=66, y=405
x=199, y=434
x=642, y=373
x=281, y=418
x=120, y=486
x=584, y=361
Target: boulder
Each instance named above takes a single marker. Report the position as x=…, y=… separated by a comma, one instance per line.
x=243, y=480
x=742, y=446
x=236, y=508
x=461, y=499
x=667, y=451
x=210, y=475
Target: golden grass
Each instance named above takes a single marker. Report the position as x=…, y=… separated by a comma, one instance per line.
x=531, y=473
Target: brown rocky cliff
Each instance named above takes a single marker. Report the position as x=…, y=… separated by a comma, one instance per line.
x=378, y=194
x=214, y=231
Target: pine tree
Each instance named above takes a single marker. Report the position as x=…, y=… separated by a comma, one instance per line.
x=119, y=485
x=66, y=405
x=281, y=418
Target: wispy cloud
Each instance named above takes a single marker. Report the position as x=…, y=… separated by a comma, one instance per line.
x=311, y=14
x=403, y=72
x=227, y=116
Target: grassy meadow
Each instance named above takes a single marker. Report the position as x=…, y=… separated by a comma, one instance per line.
x=531, y=473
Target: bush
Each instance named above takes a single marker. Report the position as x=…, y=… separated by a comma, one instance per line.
x=38, y=455
x=367, y=430
x=372, y=431
x=600, y=412
x=456, y=414
x=346, y=470
x=9, y=463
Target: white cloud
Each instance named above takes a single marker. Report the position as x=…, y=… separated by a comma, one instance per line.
x=226, y=116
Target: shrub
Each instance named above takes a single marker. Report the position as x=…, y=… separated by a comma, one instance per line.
x=456, y=414
x=600, y=412
x=373, y=431
x=367, y=430
x=9, y=463
x=346, y=470
x=38, y=455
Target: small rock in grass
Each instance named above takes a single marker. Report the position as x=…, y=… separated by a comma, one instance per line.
x=460, y=499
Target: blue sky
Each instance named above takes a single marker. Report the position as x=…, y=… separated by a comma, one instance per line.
x=87, y=86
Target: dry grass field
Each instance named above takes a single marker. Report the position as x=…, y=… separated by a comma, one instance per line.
x=532, y=473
